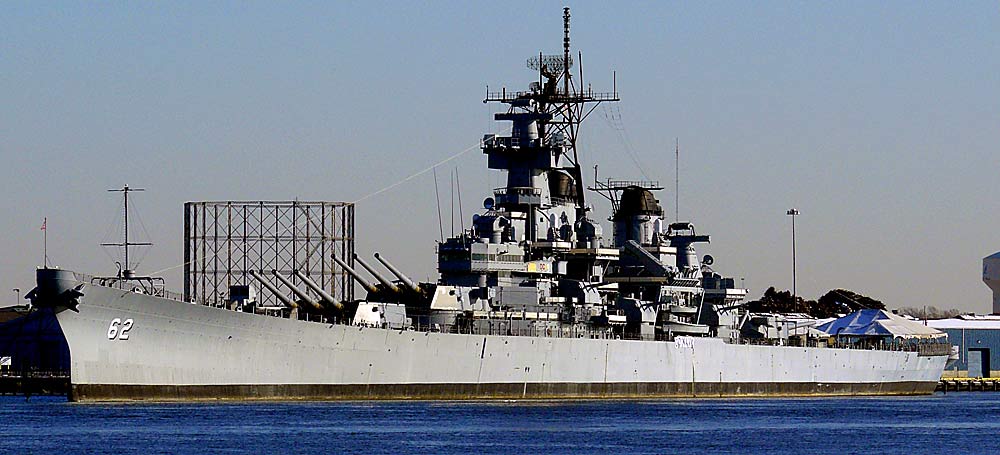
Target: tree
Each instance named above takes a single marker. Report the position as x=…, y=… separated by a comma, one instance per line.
x=831, y=304
x=843, y=301
x=775, y=301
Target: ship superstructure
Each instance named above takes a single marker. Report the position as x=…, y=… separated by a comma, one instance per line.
x=533, y=300
x=536, y=260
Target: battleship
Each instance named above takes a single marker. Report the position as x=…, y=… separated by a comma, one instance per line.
x=532, y=301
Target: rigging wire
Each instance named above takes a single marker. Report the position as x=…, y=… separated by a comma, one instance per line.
x=369, y=195
x=613, y=117
x=461, y=214
x=134, y=213
x=116, y=230
x=417, y=174
x=113, y=230
x=437, y=197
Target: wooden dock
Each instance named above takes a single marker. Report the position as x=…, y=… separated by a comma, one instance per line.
x=969, y=385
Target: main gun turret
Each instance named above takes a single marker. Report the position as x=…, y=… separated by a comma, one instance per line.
x=313, y=304
x=354, y=274
x=381, y=279
x=405, y=279
x=331, y=302
x=270, y=287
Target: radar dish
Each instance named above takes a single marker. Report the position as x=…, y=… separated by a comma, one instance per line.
x=549, y=65
x=488, y=203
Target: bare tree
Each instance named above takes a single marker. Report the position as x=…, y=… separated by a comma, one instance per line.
x=929, y=312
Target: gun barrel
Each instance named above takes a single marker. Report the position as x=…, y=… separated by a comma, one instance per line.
x=381, y=279
x=354, y=274
x=302, y=295
x=270, y=287
x=330, y=301
x=405, y=279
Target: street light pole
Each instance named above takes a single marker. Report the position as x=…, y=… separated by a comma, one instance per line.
x=793, y=213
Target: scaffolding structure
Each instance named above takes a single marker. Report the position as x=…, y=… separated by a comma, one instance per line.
x=225, y=240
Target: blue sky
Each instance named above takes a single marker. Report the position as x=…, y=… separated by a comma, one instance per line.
x=878, y=120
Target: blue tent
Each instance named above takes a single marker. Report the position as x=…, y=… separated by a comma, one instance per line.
x=878, y=323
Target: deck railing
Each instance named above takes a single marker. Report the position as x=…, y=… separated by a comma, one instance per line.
x=923, y=348
x=157, y=292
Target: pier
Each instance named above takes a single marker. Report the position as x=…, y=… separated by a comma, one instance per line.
x=35, y=383
x=957, y=384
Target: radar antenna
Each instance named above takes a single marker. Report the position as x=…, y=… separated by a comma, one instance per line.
x=551, y=66
x=563, y=104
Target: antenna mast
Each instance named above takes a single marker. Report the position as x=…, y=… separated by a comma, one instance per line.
x=125, y=190
x=566, y=61
x=677, y=180
x=573, y=113
x=561, y=106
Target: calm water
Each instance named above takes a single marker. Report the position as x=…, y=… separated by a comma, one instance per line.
x=957, y=423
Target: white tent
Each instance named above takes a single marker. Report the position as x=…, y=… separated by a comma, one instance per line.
x=879, y=323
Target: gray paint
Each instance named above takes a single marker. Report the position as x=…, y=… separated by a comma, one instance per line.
x=174, y=344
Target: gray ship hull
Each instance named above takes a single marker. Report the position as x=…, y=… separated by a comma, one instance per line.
x=179, y=351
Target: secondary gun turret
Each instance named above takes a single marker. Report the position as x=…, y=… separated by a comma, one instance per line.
x=683, y=237
x=405, y=279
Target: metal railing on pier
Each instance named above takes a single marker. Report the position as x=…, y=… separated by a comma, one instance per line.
x=34, y=382
x=968, y=385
